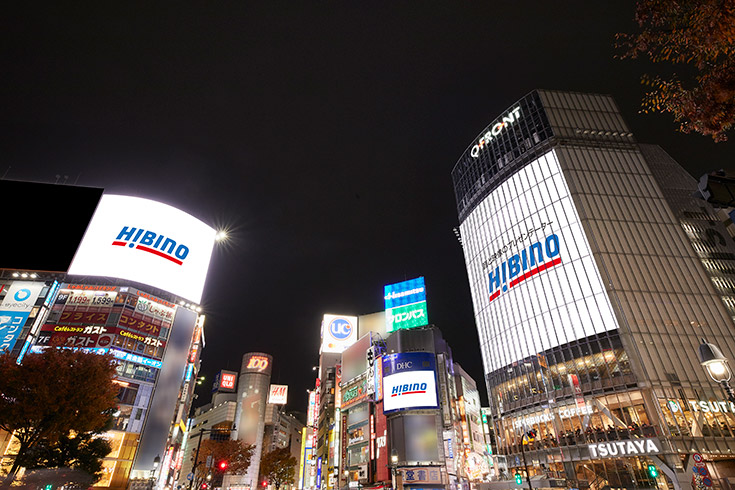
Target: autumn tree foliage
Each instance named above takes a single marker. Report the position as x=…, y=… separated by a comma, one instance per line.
x=235, y=453
x=52, y=396
x=278, y=467
x=696, y=37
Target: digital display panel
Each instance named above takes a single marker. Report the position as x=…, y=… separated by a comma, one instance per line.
x=15, y=310
x=405, y=305
x=533, y=279
x=409, y=381
x=148, y=242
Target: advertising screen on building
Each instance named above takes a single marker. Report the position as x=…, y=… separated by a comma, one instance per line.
x=278, y=394
x=148, y=242
x=338, y=333
x=405, y=305
x=533, y=279
x=409, y=381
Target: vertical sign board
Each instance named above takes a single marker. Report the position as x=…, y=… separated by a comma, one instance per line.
x=405, y=305
x=15, y=309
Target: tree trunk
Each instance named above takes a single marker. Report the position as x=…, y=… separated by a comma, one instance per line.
x=16, y=465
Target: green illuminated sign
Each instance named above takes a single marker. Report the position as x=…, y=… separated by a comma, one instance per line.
x=408, y=316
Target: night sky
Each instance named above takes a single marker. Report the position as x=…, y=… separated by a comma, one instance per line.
x=322, y=135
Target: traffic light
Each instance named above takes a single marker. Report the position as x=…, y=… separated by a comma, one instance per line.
x=265, y=483
x=519, y=479
x=652, y=471
x=222, y=465
x=48, y=487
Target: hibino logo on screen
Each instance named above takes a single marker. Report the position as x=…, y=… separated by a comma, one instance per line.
x=151, y=242
x=537, y=257
x=408, y=389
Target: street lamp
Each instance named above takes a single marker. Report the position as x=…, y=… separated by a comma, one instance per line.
x=393, y=464
x=712, y=359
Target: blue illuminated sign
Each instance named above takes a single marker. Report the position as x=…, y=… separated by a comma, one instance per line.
x=408, y=361
x=127, y=356
x=405, y=293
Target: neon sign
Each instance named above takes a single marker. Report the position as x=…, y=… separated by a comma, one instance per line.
x=507, y=120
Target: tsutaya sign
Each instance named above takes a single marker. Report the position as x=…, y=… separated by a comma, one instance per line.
x=616, y=449
x=495, y=130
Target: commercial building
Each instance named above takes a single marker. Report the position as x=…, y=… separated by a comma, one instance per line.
x=126, y=279
x=594, y=283
x=402, y=413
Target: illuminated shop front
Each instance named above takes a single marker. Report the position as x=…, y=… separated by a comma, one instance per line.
x=590, y=302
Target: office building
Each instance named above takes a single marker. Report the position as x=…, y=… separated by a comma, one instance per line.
x=594, y=291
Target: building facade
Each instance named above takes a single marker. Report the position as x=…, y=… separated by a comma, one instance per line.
x=130, y=292
x=591, y=302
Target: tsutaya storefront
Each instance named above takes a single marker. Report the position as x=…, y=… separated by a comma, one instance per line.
x=590, y=302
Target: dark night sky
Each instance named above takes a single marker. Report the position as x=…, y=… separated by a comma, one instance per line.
x=323, y=135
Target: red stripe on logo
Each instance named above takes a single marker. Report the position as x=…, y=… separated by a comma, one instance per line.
x=535, y=271
x=528, y=274
x=160, y=254
x=408, y=393
x=121, y=244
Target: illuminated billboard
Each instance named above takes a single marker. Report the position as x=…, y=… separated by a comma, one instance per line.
x=278, y=394
x=338, y=333
x=409, y=381
x=147, y=242
x=534, y=282
x=405, y=305
x=225, y=382
x=15, y=309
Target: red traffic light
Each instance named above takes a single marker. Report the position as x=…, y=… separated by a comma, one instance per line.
x=222, y=465
x=265, y=483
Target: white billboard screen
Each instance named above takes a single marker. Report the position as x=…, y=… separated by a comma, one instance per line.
x=147, y=242
x=409, y=389
x=534, y=281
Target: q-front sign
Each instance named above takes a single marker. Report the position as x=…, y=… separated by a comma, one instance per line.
x=495, y=130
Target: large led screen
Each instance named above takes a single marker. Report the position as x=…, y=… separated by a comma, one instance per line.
x=405, y=305
x=147, y=242
x=409, y=381
x=533, y=279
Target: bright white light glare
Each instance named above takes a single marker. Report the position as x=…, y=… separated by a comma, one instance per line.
x=199, y=309
x=15, y=274
x=148, y=242
x=182, y=302
x=25, y=274
x=717, y=368
x=34, y=275
x=221, y=236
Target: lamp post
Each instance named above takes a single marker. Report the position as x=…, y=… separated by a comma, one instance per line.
x=715, y=363
x=393, y=463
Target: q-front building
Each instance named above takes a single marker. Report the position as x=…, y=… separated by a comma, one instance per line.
x=595, y=299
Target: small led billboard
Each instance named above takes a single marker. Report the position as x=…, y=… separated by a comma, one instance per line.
x=338, y=333
x=148, y=242
x=409, y=381
x=405, y=305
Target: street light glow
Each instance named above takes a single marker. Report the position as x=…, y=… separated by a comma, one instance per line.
x=220, y=236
